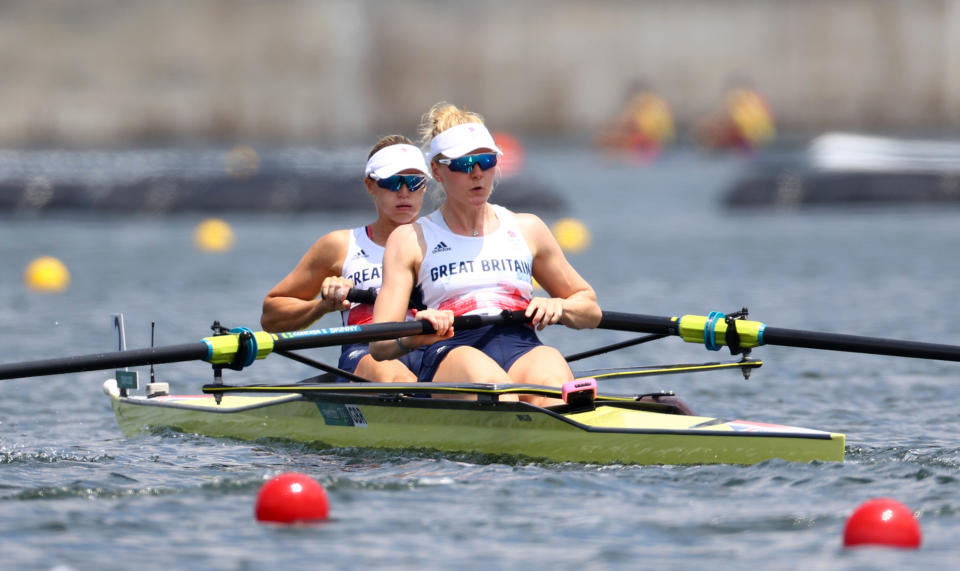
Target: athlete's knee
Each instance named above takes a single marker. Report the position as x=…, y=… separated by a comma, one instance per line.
x=400, y=374
x=541, y=367
x=384, y=371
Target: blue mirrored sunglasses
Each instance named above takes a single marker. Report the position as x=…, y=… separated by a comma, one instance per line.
x=393, y=183
x=465, y=163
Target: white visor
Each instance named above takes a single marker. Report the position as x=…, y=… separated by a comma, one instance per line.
x=388, y=161
x=461, y=140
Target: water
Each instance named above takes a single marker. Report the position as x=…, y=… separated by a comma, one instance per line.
x=76, y=494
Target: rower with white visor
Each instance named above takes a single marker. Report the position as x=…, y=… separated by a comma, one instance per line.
x=396, y=177
x=473, y=257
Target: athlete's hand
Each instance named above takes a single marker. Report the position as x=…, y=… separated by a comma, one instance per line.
x=333, y=293
x=442, y=322
x=544, y=311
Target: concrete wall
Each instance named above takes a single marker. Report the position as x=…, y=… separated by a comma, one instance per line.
x=101, y=72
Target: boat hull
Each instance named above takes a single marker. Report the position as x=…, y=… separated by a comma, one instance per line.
x=620, y=433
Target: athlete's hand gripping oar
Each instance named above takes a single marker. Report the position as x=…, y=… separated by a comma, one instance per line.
x=717, y=330
x=369, y=295
x=242, y=347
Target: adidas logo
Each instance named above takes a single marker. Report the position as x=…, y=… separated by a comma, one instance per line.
x=360, y=254
x=357, y=353
x=440, y=247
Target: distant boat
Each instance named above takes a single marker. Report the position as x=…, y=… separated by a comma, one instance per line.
x=241, y=179
x=852, y=169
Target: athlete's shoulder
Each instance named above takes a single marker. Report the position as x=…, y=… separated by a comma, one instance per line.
x=331, y=246
x=434, y=218
x=529, y=220
x=335, y=238
x=403, y=233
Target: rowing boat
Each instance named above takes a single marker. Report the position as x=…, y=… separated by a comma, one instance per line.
x=586, y=425
x=622, y=429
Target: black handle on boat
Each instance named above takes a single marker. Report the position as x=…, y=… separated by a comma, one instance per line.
x=241, y=347
x=369, y=295
x=715, y=329
x=358, y=295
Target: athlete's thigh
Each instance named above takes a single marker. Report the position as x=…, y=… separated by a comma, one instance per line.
x=466, y=364
x=392, y=371
x=542, y=365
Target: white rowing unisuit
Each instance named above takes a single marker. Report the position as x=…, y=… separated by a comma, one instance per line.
x=363, y=265
x=475, y=275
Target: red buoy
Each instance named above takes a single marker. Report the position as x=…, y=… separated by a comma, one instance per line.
x=882, y=521
x=292, y=498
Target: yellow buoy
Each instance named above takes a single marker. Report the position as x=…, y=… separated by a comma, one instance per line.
x=47, y=274
x=571, y=234
x=213, y=235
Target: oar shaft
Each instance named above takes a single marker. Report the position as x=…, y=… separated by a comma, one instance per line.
x=712, y=331
x=361, y=334
x=221, y=350
x=859, y=344
x=637, y=323
x=380, y=331
x=102, y=361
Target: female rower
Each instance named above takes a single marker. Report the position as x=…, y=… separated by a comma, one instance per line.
x=475, y=257
x=396, y=177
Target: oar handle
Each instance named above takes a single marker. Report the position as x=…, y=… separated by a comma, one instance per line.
x=369, y=296
x=359, y=295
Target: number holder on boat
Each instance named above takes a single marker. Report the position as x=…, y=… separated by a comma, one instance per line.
x=127, y=380
x=580, y=394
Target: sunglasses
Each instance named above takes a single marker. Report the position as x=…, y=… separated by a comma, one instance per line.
x=393, y=183
x=465, y=164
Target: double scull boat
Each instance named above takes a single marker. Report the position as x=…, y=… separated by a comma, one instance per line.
x=597, y=428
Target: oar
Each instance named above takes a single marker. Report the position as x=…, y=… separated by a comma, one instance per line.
x=241, y=347
x=716, y=330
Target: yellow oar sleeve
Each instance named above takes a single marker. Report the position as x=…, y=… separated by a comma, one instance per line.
x=222, y=349
x=711, y=330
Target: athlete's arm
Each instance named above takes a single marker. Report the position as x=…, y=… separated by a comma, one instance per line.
x=313, y=288
x=401, y=262
x=572, y=301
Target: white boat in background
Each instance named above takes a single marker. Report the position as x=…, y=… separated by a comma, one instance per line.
x=849, y=169
x=867, y=153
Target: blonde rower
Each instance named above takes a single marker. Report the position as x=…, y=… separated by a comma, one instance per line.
x=474, y=257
